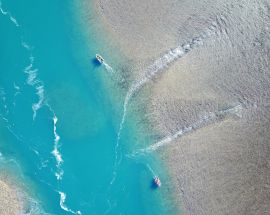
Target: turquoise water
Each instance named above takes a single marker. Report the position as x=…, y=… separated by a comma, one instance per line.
x=60, y=118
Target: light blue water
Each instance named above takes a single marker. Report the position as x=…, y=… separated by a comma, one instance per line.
x=60, y=118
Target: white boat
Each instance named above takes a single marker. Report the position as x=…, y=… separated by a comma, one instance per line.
x=99, y=58
x=157, y=181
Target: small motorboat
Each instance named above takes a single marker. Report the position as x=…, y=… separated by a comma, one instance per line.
x=99, y=58
x=156, y=181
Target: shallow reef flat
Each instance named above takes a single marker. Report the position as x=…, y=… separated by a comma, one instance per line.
x=198, y=59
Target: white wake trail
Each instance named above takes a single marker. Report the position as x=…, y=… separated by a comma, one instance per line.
x=203, y=121
x=108, y=67
x=151, y=170
x=156, y=68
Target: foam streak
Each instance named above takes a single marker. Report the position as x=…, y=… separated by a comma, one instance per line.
x=32, y=80
x=32, y=73
x=58, y=157
x=64, y=207
x=7, y=13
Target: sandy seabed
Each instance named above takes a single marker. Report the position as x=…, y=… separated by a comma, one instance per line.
x=9, y=201
x=199, y=60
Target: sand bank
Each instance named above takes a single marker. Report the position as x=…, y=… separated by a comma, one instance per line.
x=10, y=204
x=220, y=167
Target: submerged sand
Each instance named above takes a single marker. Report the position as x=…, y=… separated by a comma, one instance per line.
x=219, y=162
x=9, y=201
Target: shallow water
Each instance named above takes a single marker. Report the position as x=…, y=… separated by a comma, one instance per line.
x=60, y=122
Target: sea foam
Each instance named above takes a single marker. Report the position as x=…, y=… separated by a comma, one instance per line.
x=7, y=13
x=63, y=206
x=56, y=153
x=33, y=80
x=32, y=73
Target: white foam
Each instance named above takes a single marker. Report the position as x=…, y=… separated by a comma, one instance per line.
x=64, y=207
x=2, y=10
x=32, y=80
x=16, y=87
x=32, y=74
x=59, y=162
x=39, y=104
x=7, y=13
x=56, y=153
x=26, y=46
x=14, y=20
x=210, y=117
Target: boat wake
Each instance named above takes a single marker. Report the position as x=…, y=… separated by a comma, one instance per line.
x=156, y=68
x=203, y=121
x=116, y=149
x=151, y=170
x=108, y=67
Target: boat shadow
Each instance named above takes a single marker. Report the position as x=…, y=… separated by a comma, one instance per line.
x=95, y=62
x=153, y=185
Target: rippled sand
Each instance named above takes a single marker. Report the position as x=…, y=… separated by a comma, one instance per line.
x=222, y=165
